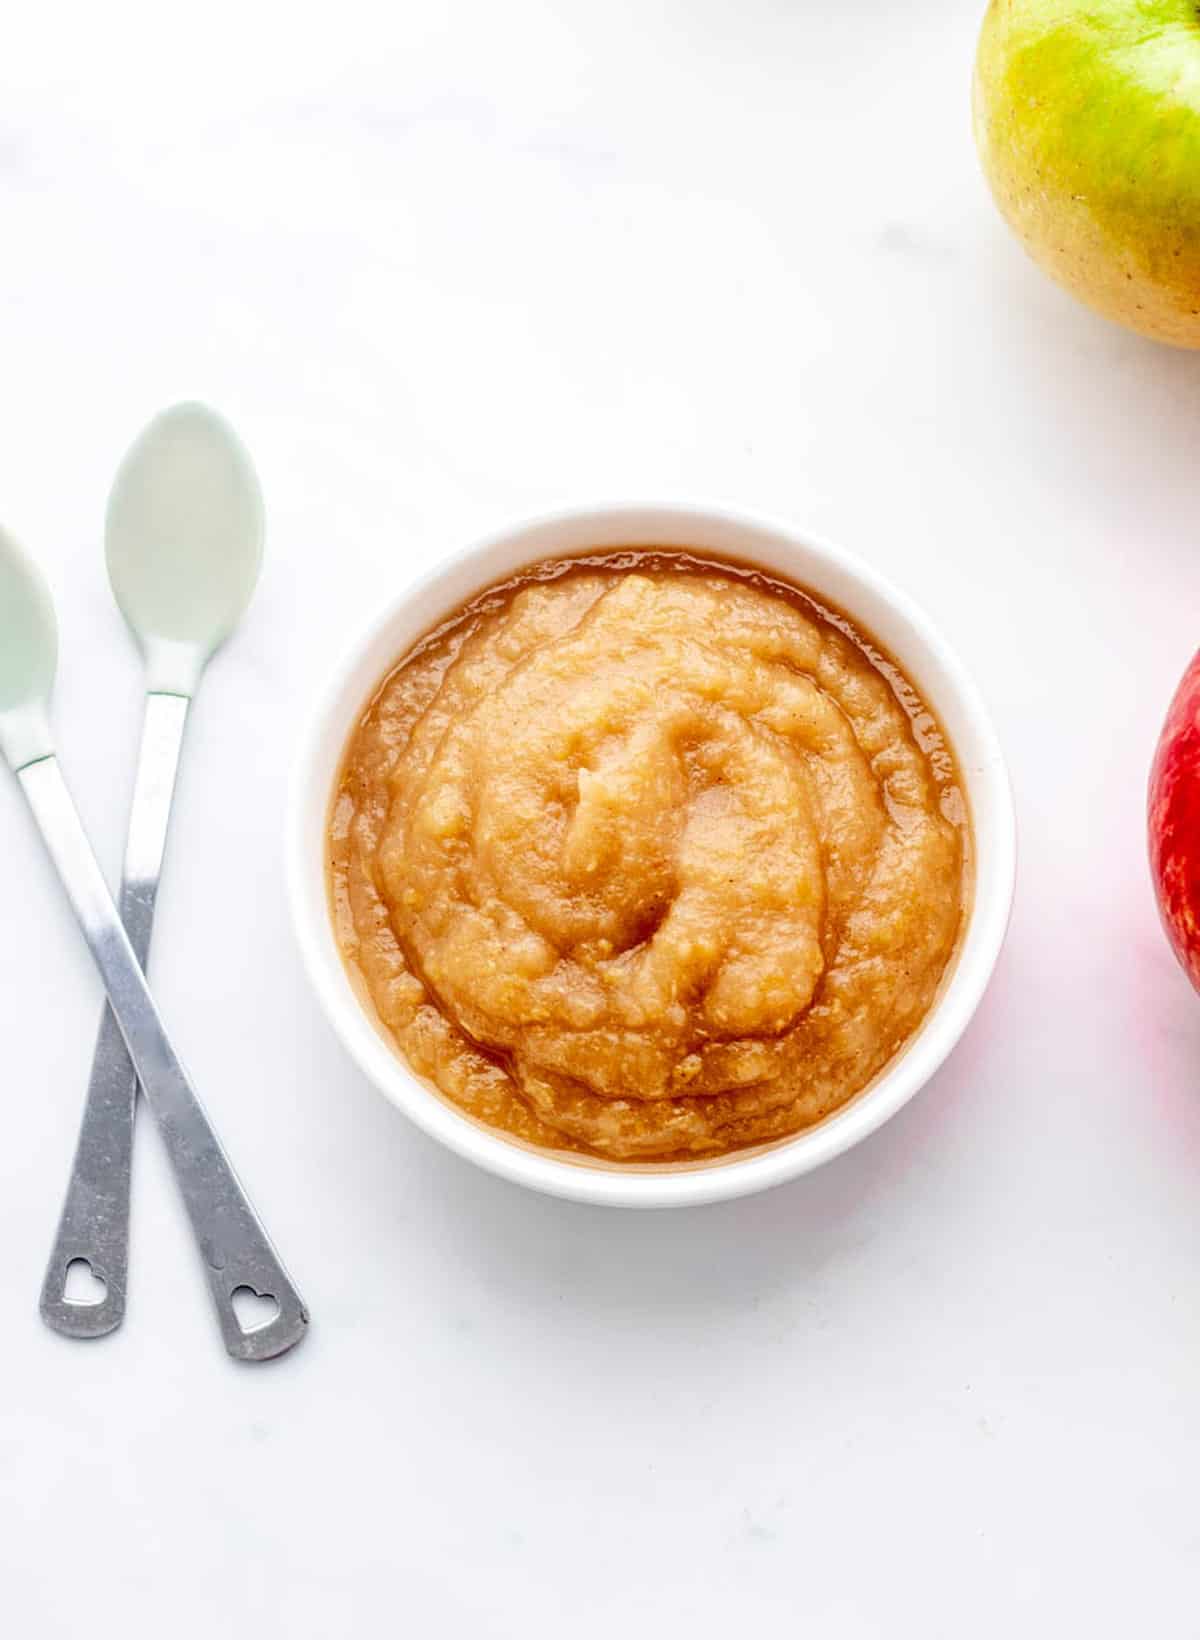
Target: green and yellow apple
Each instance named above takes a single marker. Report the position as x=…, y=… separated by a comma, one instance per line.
x=1087, y=115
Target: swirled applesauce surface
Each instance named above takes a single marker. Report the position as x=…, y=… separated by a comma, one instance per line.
x=648, y=857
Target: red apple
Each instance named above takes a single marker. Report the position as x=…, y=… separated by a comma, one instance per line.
x=1174, y=822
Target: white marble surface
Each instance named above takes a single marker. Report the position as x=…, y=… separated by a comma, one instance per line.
x=444, y=264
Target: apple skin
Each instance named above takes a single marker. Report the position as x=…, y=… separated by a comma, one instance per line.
x=1087, y=119
x=1173, y=819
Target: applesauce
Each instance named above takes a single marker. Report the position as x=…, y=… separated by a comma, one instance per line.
x=648, y=856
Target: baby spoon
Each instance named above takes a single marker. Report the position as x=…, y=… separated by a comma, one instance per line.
x=236, y=1251
x=184, y=544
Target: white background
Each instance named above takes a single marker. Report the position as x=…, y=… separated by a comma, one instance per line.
x=445, y=264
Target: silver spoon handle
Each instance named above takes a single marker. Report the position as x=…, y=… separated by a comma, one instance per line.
x=236, y=1250
x=94, y=1224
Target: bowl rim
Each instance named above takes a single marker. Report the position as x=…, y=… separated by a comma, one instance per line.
x=349, y=687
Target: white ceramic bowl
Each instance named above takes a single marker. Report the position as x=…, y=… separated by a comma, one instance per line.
x=847, y=583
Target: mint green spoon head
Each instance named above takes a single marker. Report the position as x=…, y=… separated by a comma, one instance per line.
x=28, y=656
x=184, y=538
